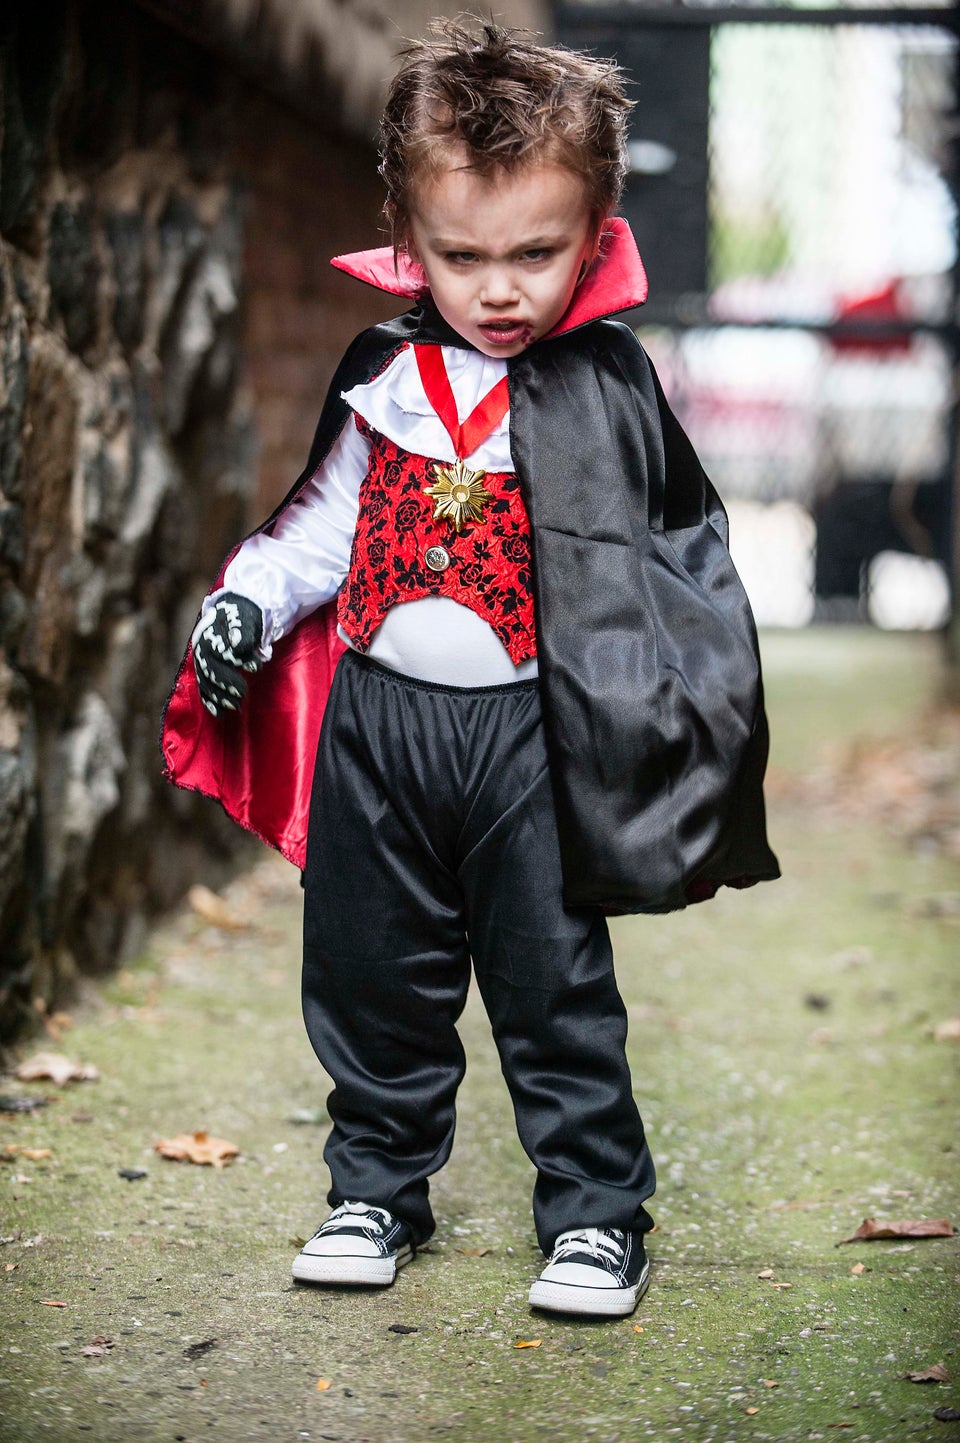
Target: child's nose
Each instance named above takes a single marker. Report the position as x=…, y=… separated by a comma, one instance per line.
x=499, y=287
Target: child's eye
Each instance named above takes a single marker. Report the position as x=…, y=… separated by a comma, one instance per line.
x=538, y=253
x=460, y=258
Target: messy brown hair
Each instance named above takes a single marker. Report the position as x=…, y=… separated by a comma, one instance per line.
x=509, y=101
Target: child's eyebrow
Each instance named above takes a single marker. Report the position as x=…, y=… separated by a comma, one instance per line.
x=443, y=243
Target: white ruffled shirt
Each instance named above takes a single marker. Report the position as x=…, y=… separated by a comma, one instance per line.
x=304, y=558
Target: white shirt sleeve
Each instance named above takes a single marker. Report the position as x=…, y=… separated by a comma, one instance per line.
x=303, y=559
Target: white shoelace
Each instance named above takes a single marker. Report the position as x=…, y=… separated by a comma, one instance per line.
x=356, y=1214
x=604, y=1244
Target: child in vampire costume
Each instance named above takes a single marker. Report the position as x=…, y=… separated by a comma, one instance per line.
x=502, y=582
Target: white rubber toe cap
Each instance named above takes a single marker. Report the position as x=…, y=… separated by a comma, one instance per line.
x=341, y=1246
x=578, y=1275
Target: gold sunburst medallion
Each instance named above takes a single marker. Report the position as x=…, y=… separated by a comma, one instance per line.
x=459, y=494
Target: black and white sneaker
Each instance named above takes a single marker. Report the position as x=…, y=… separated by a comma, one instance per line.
x=358, y=1244
x=598, y=1272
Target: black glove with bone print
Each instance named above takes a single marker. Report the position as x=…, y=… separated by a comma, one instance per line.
x=224, y=647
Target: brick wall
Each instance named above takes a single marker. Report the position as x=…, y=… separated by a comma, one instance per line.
x=310, y=196
x=168, y=325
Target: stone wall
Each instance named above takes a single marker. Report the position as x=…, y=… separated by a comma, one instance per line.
x=165, y=302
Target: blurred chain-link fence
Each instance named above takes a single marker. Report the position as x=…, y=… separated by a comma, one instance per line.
x=793, y=190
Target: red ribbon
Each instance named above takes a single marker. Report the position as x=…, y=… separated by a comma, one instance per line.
x=483, y=419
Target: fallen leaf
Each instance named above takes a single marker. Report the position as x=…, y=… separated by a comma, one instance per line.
x=197, y=1350
x=750, y=1411
x=323, y=1384
x=472, y=1252
x=870, y=1229
x=935, y=1374
x=533, y=1343
x=637, y=1328
x=770, y=1383
x=197, y=1147
x=35, y=1154
x=55, y=1024
x=99, y=1348
x=10, y=1267
x=948, y=1031
x=781, y=1285
x=213, y=909
x=57, y=1067
x=51, y=1303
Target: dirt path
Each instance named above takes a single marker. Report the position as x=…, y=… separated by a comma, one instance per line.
x=785, y=1063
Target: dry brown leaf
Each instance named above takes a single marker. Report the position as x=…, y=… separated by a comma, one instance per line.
x=51, y=1303
x=781, y=1285
x=35, y=1154
x=55, y=1024
x=767, y=1273
x=10, y=1267
x=637, y=1328
x=857, y=1269
x=58, y=1068
x=937, y=1373
x=533, y=1343
x=323, y=1384
x=948, y=1031
x=770, y=1383
x=214, y=909
x=750, y=1411
x=197, y=1147
x=99, y=1348
x=870, y=1229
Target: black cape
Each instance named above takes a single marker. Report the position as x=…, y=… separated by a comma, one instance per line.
x=649, y=665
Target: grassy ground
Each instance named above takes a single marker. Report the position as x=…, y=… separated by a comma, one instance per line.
x=784, y=1062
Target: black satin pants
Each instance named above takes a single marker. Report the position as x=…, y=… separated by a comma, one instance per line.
x=433, y=840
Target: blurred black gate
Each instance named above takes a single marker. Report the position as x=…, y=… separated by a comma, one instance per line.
x=794, y=188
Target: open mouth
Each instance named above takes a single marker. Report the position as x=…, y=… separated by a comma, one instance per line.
x=505, y=333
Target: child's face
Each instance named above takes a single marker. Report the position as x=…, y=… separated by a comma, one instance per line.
x=503, y=253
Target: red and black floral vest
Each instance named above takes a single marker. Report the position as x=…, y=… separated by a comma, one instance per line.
x=401, y=554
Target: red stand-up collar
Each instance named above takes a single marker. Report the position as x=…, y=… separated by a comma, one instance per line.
x=615, y=282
